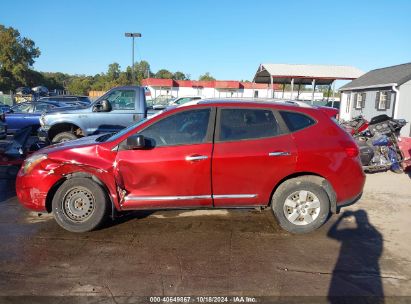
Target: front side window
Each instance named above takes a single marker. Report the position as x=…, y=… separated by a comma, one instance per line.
x=122, y=99
x=296, y=121
x=23, y=108
x=239, y=124
x=183, y=128
x=43, y=107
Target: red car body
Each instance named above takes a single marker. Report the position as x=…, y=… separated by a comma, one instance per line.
x=153, y=178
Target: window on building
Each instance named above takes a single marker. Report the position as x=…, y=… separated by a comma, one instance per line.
x=348, y=106
x=383, y=100
x=360, y=100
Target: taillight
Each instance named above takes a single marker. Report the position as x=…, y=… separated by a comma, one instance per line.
x=352, y=151
x=350, y=148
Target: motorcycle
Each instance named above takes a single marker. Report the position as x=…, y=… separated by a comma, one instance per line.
x=378, y=143
x=355, y=126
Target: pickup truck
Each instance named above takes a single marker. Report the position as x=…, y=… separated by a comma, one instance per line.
x=115, y=110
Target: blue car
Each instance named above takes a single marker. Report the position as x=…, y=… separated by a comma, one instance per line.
x=3, y=130
x=27, y=114
x=4, y=107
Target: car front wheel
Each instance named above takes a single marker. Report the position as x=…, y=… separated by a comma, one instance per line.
x=301, y=204
x=63, y=136
x=79, y=205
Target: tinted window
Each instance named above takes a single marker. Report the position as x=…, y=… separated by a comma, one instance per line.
x=22, y=108
x=237, y=124
x=43, y=107
x=184, y=128
x=122, y=99
x=296, y=121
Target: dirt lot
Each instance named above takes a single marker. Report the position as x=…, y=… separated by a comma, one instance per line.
x=218, y=252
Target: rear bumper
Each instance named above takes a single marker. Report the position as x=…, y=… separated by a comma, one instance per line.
x=348, y=202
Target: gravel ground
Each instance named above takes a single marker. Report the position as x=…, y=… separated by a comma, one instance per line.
x=365, y=250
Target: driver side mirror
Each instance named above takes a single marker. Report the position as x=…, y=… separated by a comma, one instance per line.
x=102, y=106
x=136, y=142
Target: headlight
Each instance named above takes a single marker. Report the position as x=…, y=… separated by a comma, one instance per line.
x=32, y=161
x=42, y=120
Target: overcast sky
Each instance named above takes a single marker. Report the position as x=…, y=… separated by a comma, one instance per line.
x=229, y=39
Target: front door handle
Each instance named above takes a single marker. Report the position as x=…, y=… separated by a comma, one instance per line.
x=279, y=153
x=196, y=157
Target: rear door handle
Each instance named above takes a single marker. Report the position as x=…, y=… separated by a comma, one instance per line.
x=196, y=157
x=279, y=153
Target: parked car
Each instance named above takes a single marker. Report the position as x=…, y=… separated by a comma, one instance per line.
x=28, y=114
x=115, y=110
x=160, y=102
x=214, y=154
x=4, y=107
x=3, y=127
x=24, y=91
x=40, y=91
x=73, y=100
x=335, y=104
x=182, y=100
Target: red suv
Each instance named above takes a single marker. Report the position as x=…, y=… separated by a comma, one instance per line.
x=213, y=154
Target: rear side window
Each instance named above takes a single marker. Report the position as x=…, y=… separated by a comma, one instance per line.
x=238, y=124
x=296, y=121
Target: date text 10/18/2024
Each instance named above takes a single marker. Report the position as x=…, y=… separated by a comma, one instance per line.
x=203, y=299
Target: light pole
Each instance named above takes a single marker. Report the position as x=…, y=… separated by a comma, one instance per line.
x=132, y=35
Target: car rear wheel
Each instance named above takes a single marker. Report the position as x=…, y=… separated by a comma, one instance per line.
x=63, y=136
x=301, y=204
x=79, y=205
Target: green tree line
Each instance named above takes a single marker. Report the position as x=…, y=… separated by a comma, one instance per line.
x=18, y=54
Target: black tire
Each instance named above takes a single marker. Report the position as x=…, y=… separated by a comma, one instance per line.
x=63, y=136
x=80, y=205
x=292, y=187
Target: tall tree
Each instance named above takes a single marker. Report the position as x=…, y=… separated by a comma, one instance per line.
x=180, y=76
x=206, y=77
x=164, y=74
x=142, y=70
x=113, y=71
x=17, y=56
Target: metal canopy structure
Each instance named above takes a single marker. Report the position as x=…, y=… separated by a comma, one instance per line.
x=304, y=74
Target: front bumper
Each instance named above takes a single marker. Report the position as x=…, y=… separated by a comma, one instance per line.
x=32, y=189
x=42, y=134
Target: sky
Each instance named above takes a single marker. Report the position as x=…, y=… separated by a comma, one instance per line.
x=228, y=39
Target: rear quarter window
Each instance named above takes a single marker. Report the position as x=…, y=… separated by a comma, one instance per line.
x=296, y=121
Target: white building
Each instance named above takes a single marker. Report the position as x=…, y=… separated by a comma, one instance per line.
x=381, y=91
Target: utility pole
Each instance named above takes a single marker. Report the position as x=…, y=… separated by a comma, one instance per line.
x=132, y=35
